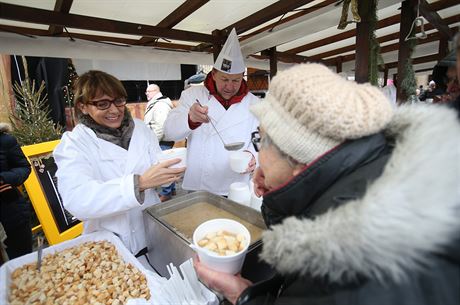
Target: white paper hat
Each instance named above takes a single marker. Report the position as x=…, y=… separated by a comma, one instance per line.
x=230, y=59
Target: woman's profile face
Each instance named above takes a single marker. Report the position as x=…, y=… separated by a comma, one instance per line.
x=275, y=168
x=110, y=117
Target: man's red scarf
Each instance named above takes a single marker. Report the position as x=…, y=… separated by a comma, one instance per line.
x=211, y=86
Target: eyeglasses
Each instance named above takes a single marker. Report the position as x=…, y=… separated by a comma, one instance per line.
x=255, y=140
x=105, y=104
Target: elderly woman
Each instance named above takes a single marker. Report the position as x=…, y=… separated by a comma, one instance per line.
x=107, y=166
x=362, y=202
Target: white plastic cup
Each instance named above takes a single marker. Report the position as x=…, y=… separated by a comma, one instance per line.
x=229, y=264
x=239, y=161
x=256, y=202
x=239, y=192
x=180, y=152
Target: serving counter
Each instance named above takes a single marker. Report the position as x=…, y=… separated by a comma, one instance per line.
x=170, y=226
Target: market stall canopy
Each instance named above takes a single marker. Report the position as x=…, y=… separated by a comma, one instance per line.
x=189, y=31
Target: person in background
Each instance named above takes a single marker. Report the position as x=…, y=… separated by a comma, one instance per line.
x=456, y=103
x=14, y=210
x=225, y=99
x=390, y=92
x=421, y=90
x=3, y=237
x=156, y=112
x=453, y=86
x=431, y=92
x=107, y=165
x=355, y=215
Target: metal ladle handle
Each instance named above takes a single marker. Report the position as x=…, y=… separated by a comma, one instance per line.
x=212, y=124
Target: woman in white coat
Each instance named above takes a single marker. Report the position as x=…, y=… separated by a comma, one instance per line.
x=107, y=166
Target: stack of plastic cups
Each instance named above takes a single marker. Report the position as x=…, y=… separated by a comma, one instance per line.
x=239, y=192
x=256, y=202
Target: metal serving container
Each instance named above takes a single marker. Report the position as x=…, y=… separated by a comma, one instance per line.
x=169, y=244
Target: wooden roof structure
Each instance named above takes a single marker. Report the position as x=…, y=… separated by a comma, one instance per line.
x=285, y=31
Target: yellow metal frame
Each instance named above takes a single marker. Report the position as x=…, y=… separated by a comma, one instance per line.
x=39, y=201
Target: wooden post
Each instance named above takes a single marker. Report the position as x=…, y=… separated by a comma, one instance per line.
x=273, y=62
x=273, y=56
x=217, y=43
x=407, y=17
x=338, y=64
x=443, y=47
x=385, y=76
x=363, y=41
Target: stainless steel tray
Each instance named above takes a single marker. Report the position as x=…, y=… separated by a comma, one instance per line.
x=167, y=244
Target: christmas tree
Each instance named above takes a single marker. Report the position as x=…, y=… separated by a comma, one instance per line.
x=30, y=116
x=68, y=93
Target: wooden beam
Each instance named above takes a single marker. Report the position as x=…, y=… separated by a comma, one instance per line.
x=344, y=35
x=388, y=48
x=416, y=61
x=395, y=46
x=23, y=31
x=266, y=14
x=293, y=58
x=303, y=12
x=407, y=16
x=389, y=37
x=205, y=47
x=179, y=14
x=423, y=70
x=95, y=38
x=443, y=47
x=61, y=6
x=272, y=54
x=363, y=45
x=217, y=43
x=436, y=6
x=182, y=12
x=41, y=16
x=433, y=17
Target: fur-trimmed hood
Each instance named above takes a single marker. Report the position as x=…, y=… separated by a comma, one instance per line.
x=412, y=209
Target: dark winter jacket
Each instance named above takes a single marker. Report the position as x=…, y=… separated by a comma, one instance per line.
x=374, y=224
x=14, y=170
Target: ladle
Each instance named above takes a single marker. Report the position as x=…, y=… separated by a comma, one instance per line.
x=229, y=146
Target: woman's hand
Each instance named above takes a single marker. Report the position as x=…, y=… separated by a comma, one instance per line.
x=251, y=164
x=231, y=286
x=259, y=182
x=160, y=174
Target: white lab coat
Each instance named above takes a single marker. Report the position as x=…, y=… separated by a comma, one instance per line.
x=157, y=110
x=208, y=166
x=96, y=183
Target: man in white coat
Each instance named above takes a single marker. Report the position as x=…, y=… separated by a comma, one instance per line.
x=156, y=112
x=225, y=99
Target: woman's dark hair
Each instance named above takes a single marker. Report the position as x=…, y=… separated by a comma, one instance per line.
x=95, y=83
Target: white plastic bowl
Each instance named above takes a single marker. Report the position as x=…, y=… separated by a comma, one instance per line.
x=229, y=264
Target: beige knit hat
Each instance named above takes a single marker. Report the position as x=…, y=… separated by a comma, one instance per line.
x=309, y=110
